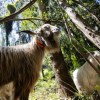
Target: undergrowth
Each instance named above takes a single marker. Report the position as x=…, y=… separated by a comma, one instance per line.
x=45, y=90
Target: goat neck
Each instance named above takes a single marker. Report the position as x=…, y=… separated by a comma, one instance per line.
x=40, y=42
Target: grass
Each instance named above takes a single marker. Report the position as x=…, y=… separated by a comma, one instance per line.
x=45, y=90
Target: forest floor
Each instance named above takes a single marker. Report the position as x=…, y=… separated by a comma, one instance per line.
x=45, y=90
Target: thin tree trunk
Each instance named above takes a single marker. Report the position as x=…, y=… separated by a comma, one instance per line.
x=7, y=40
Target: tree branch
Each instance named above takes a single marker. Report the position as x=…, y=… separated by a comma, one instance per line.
x=79, y=22
x=85, y=8
x=76, y=44
x=10, y=17
x=54, y=21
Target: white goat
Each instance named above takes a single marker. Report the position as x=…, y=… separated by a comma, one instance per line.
x=21, y=64
x=86, y=78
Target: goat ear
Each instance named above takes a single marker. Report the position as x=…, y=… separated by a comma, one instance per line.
x=28, y=32
x=36, y=32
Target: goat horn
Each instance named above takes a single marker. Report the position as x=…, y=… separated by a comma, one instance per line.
x=27, y=31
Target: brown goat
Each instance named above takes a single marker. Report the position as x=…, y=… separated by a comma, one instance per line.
x=21, y=64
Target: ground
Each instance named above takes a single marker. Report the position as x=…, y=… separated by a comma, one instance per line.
x=45, y=90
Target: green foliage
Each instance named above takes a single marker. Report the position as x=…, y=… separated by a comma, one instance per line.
x=11, y=8
x=55, y=11
x=30, y=13
x=45, y=90
x=48, y=74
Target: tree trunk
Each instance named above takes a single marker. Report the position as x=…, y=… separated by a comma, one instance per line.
x=7, y=40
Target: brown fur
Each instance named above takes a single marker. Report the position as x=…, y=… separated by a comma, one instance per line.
x=22, y=64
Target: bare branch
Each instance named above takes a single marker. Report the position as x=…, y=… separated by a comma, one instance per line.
x=10, y=17
x=54, y=21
